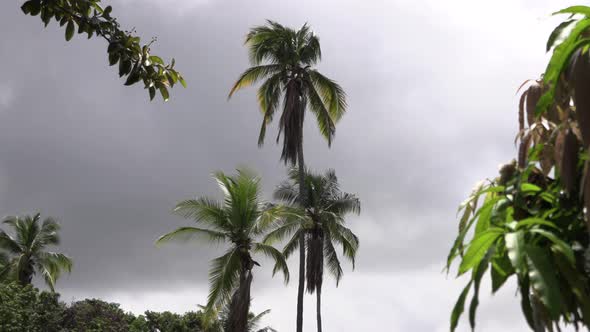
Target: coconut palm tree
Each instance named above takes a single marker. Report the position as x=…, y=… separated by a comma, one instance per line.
x=284, y=59
x=323, y=227
x=239, y=220
x=26, y=250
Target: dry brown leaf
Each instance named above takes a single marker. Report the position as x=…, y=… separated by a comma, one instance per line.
x=534, y=92
x=521, y=111
x=581, y=85
x=569, y=161
x=558, y=149
x=546, y=160
x=523, y=150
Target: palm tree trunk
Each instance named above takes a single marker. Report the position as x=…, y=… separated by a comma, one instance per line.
x=302, y=198
x=319, y=307
x=240, y=304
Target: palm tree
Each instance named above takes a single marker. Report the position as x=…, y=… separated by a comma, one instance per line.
x=26, y=250
x=239, y=219
x=323, y=227
x=284, y=58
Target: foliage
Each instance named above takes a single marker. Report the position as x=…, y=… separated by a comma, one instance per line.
x=25, y=251
x=239, y=219
x=532, y=223
x=285, y=58
x=324, y=214
x=25, y=308
x=135, y=60
x=93, y=315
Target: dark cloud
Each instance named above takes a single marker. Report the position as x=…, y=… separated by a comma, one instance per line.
x=431, y=94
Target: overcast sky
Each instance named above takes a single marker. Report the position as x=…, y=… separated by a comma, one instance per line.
x=432, y=109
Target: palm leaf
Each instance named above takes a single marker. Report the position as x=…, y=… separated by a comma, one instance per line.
x=191, y=233
x=277, y=256
x=223, y=275
x=253, y=75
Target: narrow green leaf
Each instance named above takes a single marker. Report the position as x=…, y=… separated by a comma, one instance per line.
x=164, y=93
x=583, y=10
x=476, y=277
x=525, y=300
x=501, y=270
x=515, y=246
x=459, y=307
x=534, y=222
x=557, y=33
x=559, y=244
x=152, y=92
x=70, y=28
x=529, y=187
x=478, y=247
x=543, y=279
x=156, y=59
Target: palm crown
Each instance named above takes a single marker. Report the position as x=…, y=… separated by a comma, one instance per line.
x=25, y=251
x=326, y=207
x=285, y=58
x=239, y=219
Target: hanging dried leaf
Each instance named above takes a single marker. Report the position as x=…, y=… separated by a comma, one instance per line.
x=581, y=85
x=569, y=161
x=558, y=149
x=534, y=93
x=546, y=159
x=523, y=150
x=521, y=111
x=586, y=184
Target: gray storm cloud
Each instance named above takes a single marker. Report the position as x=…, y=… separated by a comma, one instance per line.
x=431, y=94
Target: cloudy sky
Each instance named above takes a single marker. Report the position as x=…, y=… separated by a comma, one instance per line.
x=431, y=88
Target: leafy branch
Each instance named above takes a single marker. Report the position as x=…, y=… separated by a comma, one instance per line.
x=134, y=59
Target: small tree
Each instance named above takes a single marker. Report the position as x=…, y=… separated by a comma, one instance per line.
x=533, y=223
x=134, y=59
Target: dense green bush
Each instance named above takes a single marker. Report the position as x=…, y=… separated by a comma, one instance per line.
x=25, y=308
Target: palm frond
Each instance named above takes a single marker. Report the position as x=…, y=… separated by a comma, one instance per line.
x=51, y=266
x=192, y=233
x=223, y=276
x=293, y=244
x=284, y=230
x=9, y=243
x=253, y=75
x=287, y=192
x=323, y=116
x=277, y=256
x=269, y=97
x=332, y=261
x=347, y=239
x=331, y=92
x=204, y=210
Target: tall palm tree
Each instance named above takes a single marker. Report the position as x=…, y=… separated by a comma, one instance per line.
x=325, y=209
x=26, y=250
x=284, y=58
x=239, y=219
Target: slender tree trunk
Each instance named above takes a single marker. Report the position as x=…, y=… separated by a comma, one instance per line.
x=318, y=293
x=320, y=280
x=302, y=198
x=240, y=304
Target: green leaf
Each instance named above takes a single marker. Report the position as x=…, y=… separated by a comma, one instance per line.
x=534, y=222
x=164, y=93
x=478, y=248
x=152, y=92
x=543, y=279
x=70, y=28
x=557, y=63
x=459, y=307
x=501, y=270
x=584, y=10
x=578, y=287
x=515, y=246
x=559, y=245
x=476, y=277
x=529, y=187
x=27, y=7
x=525, y=301
x=182, y=81
x=156, y=59
x=556, y=33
